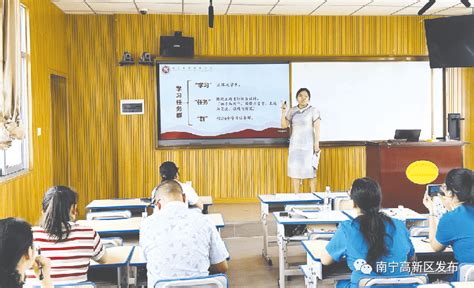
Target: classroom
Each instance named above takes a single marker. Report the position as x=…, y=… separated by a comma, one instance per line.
x=237, y=143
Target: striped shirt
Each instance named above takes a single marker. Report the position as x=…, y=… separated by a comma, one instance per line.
x=69, y=258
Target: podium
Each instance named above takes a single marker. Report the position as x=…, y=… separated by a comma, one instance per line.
x=387, y=162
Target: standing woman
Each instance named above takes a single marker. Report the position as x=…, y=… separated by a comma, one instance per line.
x=304, y=123
x=17, y=255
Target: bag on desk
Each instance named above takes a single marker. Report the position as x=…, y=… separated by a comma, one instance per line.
x=295, y=230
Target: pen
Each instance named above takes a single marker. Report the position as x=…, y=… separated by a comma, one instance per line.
x=41, y=277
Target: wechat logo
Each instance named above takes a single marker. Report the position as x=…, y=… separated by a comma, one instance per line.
x=362, y=266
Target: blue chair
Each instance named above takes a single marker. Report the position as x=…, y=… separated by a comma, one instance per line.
x=211, y=281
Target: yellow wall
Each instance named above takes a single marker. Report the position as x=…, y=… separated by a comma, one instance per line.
x=113, y=156
x=228, y=174
x=459, y=99
x=22, y=195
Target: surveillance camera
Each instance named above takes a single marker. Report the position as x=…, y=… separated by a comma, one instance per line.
x=143, y=11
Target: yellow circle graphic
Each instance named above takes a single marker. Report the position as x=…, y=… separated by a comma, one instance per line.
x=422, y=172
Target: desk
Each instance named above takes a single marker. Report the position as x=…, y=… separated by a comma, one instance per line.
x=322, y=218
x=403, y=214
x=206, y=202
x=314, y=268
x=276, y=202
x=117, y=257
x=134, y=204
x=332, y=195
x=118, y=204
x=114, y=227
x=132, y=225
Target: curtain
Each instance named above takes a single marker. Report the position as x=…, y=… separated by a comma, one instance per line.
x=10, y=126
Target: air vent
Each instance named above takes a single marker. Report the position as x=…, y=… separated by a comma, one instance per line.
x=131, y=107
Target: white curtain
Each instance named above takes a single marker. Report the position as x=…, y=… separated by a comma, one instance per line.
x=10, y=126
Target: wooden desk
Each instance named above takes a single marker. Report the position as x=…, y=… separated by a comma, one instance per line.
x=387, y=163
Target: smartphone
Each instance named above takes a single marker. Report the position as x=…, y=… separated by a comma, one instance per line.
x=433, y=189
x=284, y=214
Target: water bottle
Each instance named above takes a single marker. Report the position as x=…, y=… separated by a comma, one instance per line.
x=327, y=198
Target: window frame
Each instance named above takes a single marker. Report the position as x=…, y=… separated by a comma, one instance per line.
x=24, y=92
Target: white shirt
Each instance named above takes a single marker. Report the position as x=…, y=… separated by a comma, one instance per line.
x=178, y=242
x=191, y=195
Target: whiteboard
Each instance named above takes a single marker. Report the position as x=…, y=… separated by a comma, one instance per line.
x=369, y=100
x=221, y=103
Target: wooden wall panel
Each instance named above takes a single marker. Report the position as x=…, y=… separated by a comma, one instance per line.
x=21, y=196
x=459, y=99
x=92, y=107
x=240, y=174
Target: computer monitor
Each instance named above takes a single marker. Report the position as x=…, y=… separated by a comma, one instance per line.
x=410, y=135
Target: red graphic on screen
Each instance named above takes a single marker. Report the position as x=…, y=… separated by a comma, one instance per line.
x=247, y=133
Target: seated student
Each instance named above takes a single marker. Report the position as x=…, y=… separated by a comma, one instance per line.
x=69, y=245
x=17, y=255
x=169, y=171
x=370, y=238
x=177, y=242
x=456, y=227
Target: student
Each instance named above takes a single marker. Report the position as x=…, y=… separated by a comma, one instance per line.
x=370, y=238
x=169, y=171
x=17, y=255
x=456, y=227
x=69, y=245
x=177, y=242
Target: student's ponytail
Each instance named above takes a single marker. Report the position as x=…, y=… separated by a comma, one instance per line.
x=57, y=203
x=367, y=195
x=15, y=240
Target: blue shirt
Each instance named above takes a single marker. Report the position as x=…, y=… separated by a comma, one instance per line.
x=456, y=228
x=348, y=242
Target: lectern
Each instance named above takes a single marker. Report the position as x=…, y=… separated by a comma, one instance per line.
x=387, y=162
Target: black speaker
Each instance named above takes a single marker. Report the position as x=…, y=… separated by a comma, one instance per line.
x=454, y=126
x=176, y=46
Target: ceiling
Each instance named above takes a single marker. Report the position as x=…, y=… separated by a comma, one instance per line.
x=264, y=7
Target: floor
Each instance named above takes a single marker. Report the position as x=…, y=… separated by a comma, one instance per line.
x=243, y=238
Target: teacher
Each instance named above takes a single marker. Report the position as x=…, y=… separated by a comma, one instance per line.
x=303, y=153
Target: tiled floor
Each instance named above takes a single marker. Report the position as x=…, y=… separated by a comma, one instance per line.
x=247, y=268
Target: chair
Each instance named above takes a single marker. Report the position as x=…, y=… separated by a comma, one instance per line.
x=388, y=280
x=466, y=272
x=211, y=281
x=111, y=242
x=343, y=203
x=419, y=231
x=109, y=215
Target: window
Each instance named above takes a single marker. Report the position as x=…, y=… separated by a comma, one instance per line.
x=15, y=158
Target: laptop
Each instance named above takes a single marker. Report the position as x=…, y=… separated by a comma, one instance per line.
x=410, y=135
